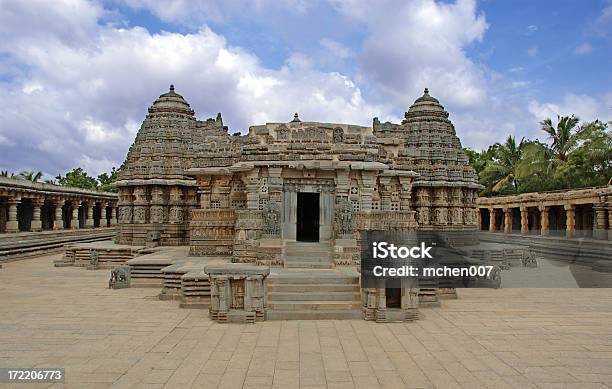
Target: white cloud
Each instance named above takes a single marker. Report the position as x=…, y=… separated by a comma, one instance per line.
x=80, y=104
x=587, y=108
x=584, y=48
x=601, y=26
x=519, y=84
x=336, y=48
x=192, y=12
x=78, y=87
x=417, y=44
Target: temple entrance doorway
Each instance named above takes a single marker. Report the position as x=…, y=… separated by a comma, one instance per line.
x=393, y=297
x=307, y=217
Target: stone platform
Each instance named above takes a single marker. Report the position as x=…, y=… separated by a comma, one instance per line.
x=20, y=245
x=127, y=338
x=110, y=254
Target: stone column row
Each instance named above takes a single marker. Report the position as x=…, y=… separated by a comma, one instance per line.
x=601, y=224
x=12, y=222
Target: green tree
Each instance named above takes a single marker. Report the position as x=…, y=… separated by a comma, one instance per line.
x=502, y=173
x=479, y=160
x=78, y=178
x=590, y=163
x=30, y=176
x=565, y=136
x=107, y=181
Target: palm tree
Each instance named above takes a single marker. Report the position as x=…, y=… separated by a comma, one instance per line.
x=506, y=168
x=564, y=138
x=30, y=175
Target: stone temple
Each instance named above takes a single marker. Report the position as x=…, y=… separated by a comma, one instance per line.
x=293, y=195
x=191, y=182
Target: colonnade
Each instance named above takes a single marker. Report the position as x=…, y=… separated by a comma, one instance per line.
x=581, y=214
x=32, y=207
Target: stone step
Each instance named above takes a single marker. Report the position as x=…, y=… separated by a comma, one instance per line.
x=313, y=305
x=309, y=265
x=313, y=279
x=319, y=295
x=326, y=314
x=307, y=259
x=301, y=288
x=308, y=244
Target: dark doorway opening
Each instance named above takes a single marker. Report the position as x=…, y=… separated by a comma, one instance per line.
x=393, y=297
x=307, y=217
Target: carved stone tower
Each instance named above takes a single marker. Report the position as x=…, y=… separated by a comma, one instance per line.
x=155, y=195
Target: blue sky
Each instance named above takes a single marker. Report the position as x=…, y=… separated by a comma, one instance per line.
x=77, y=76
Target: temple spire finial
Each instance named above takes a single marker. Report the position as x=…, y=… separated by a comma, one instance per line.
x=426, y=91
x=296, y=118
x=171, y=87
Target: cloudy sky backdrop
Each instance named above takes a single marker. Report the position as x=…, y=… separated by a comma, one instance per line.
x=77, y=76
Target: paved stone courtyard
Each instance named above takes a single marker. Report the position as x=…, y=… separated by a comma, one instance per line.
x=509, y=338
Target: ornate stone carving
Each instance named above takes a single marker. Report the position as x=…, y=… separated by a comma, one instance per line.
x=338, y=135
x=158, y=214
x=441, y=215
x=271, y=216
x=93, y=260
x=423, y=215
x=120, y=278
x=176, y=214
x=140, y=214
x=344, y=217
x=282, y=133
x=125, y=214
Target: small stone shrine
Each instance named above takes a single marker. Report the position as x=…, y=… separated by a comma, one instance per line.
x=237, y=292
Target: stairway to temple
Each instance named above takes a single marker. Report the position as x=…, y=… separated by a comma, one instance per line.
x=308, y=255
x=313, y=295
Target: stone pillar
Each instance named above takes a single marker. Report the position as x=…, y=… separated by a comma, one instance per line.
x=368, y=182
x=343, y=184
x=385, y=193
x=108, y=212
x=251, y=182
x=113, y=214
x=570, y=220
x=89, y=222
x=204, y=190
x=58, y=222
x=524, y=221
x=544, y=220
x=11, y=223
x=599, y=222
x=405, y=193
x=141, y=205
x=275, y=184
x=36, y=224
x=74, y=222
x=491, y=219
x=507, y=220
x=609, y=208
x=609, y=222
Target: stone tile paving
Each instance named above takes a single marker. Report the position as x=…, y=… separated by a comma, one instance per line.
x=509, y=338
